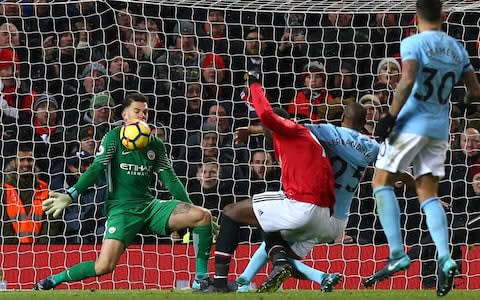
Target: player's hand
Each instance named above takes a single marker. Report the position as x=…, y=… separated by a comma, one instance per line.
x=215, y=227
x=241, y=135
x=384, y=126
x=56, y=203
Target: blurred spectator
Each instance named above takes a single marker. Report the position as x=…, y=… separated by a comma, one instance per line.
x=257, y=57
x=207, y=190
x=85, y=140
x=85, y=219
x=101, y=114
x=87, y=46
x=207, y=144
x=23, y=219
x=121, y=81
x=344, y=90
x=180, y=65
x=214, y=79
x=264, y=176
x=470, y=145
x=384, y=93
x=59, y=54
x=16, y=101
x=311, y=104
x=217, y=115
x=48, y=136
x=343, y=42
x=187, y=115
x=389, y=71
x=385, y=35
x=212, y=35
x=374, y=110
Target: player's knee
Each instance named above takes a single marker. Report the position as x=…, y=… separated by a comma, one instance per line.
x=104, y=267
x=229, y=209
x=202, y=216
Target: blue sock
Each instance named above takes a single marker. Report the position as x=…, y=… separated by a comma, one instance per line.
x=309, y=272
x=437, y=225
x=258, y=260
x=389, y=215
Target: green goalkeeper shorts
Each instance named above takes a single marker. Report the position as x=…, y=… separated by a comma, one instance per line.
x=124, y=225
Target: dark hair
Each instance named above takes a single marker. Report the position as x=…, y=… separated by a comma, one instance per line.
x=429, y=10
x=133, y=97
x=356, y=114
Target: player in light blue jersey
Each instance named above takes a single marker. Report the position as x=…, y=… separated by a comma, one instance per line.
x=350, y=152
x=416, y=129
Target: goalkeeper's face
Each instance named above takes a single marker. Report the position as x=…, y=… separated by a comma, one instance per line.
x=136, y=110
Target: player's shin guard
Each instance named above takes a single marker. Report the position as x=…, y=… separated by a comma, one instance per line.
x=77, y=272
x=202, y=242
x=227, y=241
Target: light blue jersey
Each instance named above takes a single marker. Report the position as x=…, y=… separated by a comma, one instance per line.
x=441, y=61
x=350, y=153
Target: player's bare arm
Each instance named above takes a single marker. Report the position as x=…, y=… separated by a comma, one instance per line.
x=409, y=74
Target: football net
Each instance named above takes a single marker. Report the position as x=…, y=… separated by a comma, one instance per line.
x=73, y=63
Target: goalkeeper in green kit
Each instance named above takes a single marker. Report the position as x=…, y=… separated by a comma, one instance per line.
x=130, y=206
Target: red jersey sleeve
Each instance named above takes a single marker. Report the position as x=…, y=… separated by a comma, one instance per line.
x=269, y=118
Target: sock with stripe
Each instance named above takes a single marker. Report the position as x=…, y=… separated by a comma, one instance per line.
x=202, y=242
x=77, y=272
x=227, y=242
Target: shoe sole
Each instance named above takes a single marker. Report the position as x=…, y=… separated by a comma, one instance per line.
x=274, y=283
x=447, y=286
x=372, y=280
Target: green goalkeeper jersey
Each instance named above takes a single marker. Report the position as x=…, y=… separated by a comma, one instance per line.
x=130, y=173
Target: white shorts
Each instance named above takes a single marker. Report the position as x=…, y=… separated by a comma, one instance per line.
x=296, y=221
x=425, y=154
x=334, y=230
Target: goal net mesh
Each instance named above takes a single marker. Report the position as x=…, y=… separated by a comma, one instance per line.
x=66, y=66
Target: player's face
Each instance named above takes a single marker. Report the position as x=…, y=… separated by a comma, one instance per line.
x=136, y=110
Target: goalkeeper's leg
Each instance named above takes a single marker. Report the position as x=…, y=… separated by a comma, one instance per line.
x=186, y=215
x=106, y=262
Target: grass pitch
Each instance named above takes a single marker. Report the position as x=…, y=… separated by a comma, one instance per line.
x=287, y=294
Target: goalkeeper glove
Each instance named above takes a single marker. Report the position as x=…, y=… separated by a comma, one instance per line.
x=56, y=203
x=384, y=126
x=215, y=227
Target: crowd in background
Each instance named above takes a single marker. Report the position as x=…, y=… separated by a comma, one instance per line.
x=65, y=69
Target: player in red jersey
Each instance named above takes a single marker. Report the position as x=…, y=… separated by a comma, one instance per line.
x=297, y=213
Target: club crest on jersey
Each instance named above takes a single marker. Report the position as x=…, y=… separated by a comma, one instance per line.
x=151, y=154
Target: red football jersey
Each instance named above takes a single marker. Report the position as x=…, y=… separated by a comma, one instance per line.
x=307, y=175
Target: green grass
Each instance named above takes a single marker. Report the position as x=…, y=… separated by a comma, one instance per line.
x=289, y=295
